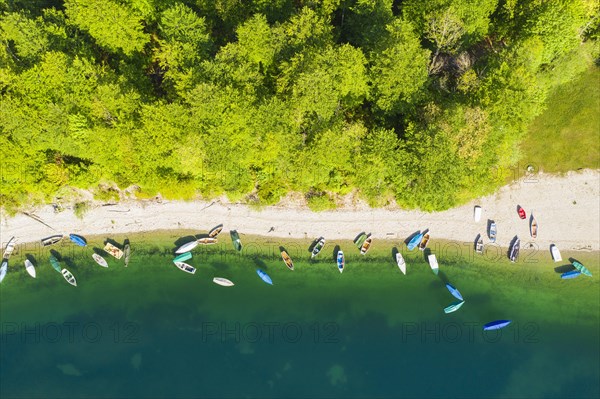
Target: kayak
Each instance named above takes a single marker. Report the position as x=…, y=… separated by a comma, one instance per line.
x=79, y=240
x=454, y=292
x=264, y=276
x=496, y=325
x=416, y=240
x=571, y=274
x=453, y=307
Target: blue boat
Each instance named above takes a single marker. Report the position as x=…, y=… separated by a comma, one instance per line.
x=341, y=262
x=415, y=241
x=79, y=240
x=455, y=293
x=496, y=325
x=571, y=274
x=453, y=307
x=264, y=276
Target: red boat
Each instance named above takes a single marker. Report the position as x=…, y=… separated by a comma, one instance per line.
x=521, y=212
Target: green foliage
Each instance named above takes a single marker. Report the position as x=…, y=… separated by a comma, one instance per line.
x=414, y=101
x=81, y=208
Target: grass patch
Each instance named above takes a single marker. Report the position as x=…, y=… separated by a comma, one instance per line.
x=566, y=136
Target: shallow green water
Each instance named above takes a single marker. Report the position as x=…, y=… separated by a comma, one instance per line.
x=151, y=330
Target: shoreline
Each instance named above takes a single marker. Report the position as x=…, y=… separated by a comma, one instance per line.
x=566, y=208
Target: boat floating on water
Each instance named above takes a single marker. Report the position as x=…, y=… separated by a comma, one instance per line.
x=264, y=277
x=51, y=240
x=55, y=263
x=416, y=240
x=215, y=231
x=222, y=281
x=187, y=247
x=183, y=257
x=127, y=253
x=318, y=247
x=496, y=325
x=582, y=268
x=29, y=268
x=235, y=239
x=455, y=293
x=69, y=277
x=433, y=263
x=3, y=270
x=555, y=253
x=113, y=250
x=100, y=260
x=185, y=267
x=366, y=244
x=477, y=213
x=341, y=263
x=287, y=260
x=453, y=307
x=401, y=263
x=514, y=250
x=571, y=274
x=77, y=239
x=10, y=247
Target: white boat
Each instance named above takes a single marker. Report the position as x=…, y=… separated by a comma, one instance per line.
x=100, y=260
x=366, y=244
x=555, y=253
x=3, y=270
x=69, y=277
x=477, y=213
x=433, y=263
x=10, y=247
x=127, y=253
x=29, y=268
x=113, y=250
x=222, y=281
x=185, y=267
x=187, y=247
x=401, y=262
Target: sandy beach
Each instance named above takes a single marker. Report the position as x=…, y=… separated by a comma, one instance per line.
x=567, y=209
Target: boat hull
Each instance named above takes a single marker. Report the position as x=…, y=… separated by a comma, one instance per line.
x=30, y=268
x=69, y=277
x=433, y=263
x=183, y=257
x=222, y=282
x=10, y=247
x=416, y=240
x=187, y=247
x=496, y=325
x=264, y=277
x=555, y=253
x=401, y=263
x=51, y=240
x=318, y=247
x=582, y=268
x=113, y=250
x=453, y=307
x=341, y=263
x=185, y=267
x=127, y=254
x=3, y=270
x=100, y=260
x=570, y=275
x=78, y=240
x=215, y=231
x=55, y=264
x=455, y=293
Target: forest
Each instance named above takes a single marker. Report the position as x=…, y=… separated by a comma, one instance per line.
x=422, y=103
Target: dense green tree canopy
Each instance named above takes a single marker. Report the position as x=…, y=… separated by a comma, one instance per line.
x=419, y=101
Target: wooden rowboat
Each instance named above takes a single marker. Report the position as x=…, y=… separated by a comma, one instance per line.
x=215, y=231
x=287, y=260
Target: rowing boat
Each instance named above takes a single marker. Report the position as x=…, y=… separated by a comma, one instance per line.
x=582, y=268
x=287, y=260
x=424, y=242
x=183, y=257
x=222, y=281
x=479, y=244
x=100, y=260
x=318, y=247
x=433, y=263
x=453, y=307
x=187, y=247
x=492, y=232
x=55, y=263
x=51, y=240
x=185, y=267
x=215, y=231
x=555, y=253
x=416, y=240
x=207, y=240
x=264, y=277
x=571, y=274
x=455, y=293
x=341, y=263
x=127, y=253
x=113, y=250
x=360, y=240
x=366, y=244
x=521, y=212
x=514, y=250
x=29, y=268
x=496, y=325
x=235, y=239
x=10, y=247
x=79, y=240
x=69, y=277
x=3, y=270
x=401, y=263
x=533, y=227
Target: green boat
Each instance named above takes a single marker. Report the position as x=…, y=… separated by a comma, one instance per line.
x=235, y=238
x=582, y=268
x=453, y=307
x=55, y=264
x=360, y=240
x=183, y=257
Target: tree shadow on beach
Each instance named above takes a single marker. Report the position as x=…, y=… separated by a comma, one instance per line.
x=183, y=240
x=221, y=266
x=56, y=254
x=426, y=253
x=32, y=259
x=100, y=251
x=395, y=252
x=564, y=268
x=113, y=242
x=335, y=252
x=259, y=263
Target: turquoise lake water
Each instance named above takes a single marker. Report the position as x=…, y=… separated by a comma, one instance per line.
x=151, y=330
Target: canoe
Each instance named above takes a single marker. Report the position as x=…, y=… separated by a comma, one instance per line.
x=127, y=253
x=521, y=212
x=100, y=260
x=401, y=263
x=69, y=277
x=571, y=274
x=479, y=244
x=360, y=240
x=477, y=213
x=514, y=250
x=207, y=240
x=264, y=276
x=287, y=260
x=77, y=239
x=416, y=240
x=582, y=268
x=10, y=247
x=455, y=293
x=496, y=325
x=424, y=242
x=235, y=239
x=183, y=257
x=187, y=247
x=318, y=247
x=113, y=250
x=433, y=263
x=222, y=281
x=341, y=261
x=30, y=268
x=3, y=270
x=555, y=253
x=533, y=227
x=185, y=267
x=51, y=240
x=55, y=263
x=453, y=307
x=492, y=232
x=366, y=244
x=215, y=231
